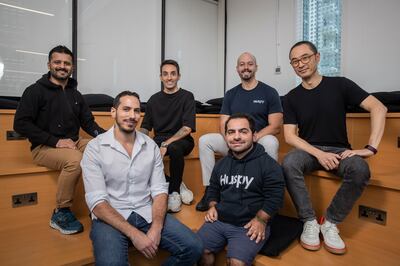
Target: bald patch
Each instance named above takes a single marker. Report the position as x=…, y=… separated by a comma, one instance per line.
x=246, y=54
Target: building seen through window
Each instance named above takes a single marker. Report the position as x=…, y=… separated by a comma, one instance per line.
x=322, y=26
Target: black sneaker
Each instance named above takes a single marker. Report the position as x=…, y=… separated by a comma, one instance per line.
x=202, y=205
x=64, y=221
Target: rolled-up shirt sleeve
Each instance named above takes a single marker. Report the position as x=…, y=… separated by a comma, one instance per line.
x=158, y=184
x=93, y=177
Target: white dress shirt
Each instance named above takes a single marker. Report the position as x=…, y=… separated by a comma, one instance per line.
x=127, y=183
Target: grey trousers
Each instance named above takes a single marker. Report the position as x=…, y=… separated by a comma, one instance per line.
x=215, y=142
x=354, y=172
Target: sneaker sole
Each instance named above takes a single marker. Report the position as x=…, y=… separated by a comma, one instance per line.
x=336, y=251
x=63, y=231
x=310, y=247
x=186, y=202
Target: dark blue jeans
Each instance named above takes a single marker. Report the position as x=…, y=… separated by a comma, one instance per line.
x=353, y=170
x=111, y=246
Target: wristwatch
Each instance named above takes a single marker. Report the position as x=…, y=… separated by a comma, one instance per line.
x=164, y=144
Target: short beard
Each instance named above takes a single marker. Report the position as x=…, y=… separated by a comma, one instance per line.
x=123, y=130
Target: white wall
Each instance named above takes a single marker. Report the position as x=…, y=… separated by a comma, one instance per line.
x=192, y=39
x=120, y=42
x=371, y=44
x=255, y=26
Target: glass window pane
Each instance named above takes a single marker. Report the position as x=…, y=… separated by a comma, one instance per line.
x=322, y=26
x=28, y=31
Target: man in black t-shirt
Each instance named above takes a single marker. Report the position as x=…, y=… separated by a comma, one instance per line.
x=171, y=113
x=316, y=109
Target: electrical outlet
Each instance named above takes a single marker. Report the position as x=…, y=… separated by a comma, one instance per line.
x=12, y=135
x=24, y=199
x=372, y=215
x=277, y=70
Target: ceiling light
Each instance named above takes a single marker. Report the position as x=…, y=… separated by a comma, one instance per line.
x=27, y=9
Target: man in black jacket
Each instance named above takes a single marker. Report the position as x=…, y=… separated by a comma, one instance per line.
x=246, y=190
x=50, y=114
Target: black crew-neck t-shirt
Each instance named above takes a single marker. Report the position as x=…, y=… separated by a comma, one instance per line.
x=320, y=113
x=167, y=113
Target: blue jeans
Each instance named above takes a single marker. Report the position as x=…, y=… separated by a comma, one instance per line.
x=111, y=246
x=353, y=170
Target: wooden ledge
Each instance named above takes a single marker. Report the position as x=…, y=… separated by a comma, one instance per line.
x=24, y=167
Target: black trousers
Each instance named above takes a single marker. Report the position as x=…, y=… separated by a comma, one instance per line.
x=176, y=151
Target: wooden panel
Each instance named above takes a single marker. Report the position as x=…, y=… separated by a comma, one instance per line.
x=322, y=190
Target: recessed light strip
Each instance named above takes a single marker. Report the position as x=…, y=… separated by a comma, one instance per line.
x=37, y=53
x=27, y=9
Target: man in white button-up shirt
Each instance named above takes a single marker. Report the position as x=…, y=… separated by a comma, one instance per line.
x=127, y=194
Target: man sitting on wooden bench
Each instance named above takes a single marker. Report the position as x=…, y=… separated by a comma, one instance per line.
x=246, y=190
x=317, y=110
x=126, y=193
x=50, y=114
x=253, y=97
x=172, y=114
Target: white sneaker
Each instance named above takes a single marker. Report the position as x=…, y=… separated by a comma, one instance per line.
x=309, y=239
x=332, y=241
x=174, y=202
x=186, y=194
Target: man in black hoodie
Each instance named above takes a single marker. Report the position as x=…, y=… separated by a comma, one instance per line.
x=50, y=113
x=246, y=190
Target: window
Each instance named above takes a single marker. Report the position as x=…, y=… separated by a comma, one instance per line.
x=28, y=30
x=322, y=26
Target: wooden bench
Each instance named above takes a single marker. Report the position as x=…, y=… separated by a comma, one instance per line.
x=27, y=238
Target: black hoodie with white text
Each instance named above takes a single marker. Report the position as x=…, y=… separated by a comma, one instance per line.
x=244, y=186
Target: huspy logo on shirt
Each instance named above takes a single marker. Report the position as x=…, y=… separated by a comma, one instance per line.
x=237, y=180
x=258, y=101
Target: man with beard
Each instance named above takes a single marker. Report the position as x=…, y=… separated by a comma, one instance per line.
x=315, y=125
x=127, y=193
x=50, y=114
x=253, y=97
x=246, y=190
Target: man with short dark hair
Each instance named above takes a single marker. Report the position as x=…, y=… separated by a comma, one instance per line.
x=316, y=109
x=50, y=114
x=126, y=193
x=172, y=114
x=253, y=97
x=246, y=190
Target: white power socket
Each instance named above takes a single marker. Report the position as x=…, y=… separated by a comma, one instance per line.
x=277, y=70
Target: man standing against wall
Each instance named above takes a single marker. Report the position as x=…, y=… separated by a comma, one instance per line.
x=50, y=114
x=316, y=109
x=253, y=97
x=172, y=114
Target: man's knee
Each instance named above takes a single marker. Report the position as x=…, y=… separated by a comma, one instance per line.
x=293, y=160
x=175, y=151
x=358, y=170
x=73, y=162
x=270, y=143
x=206, y=140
